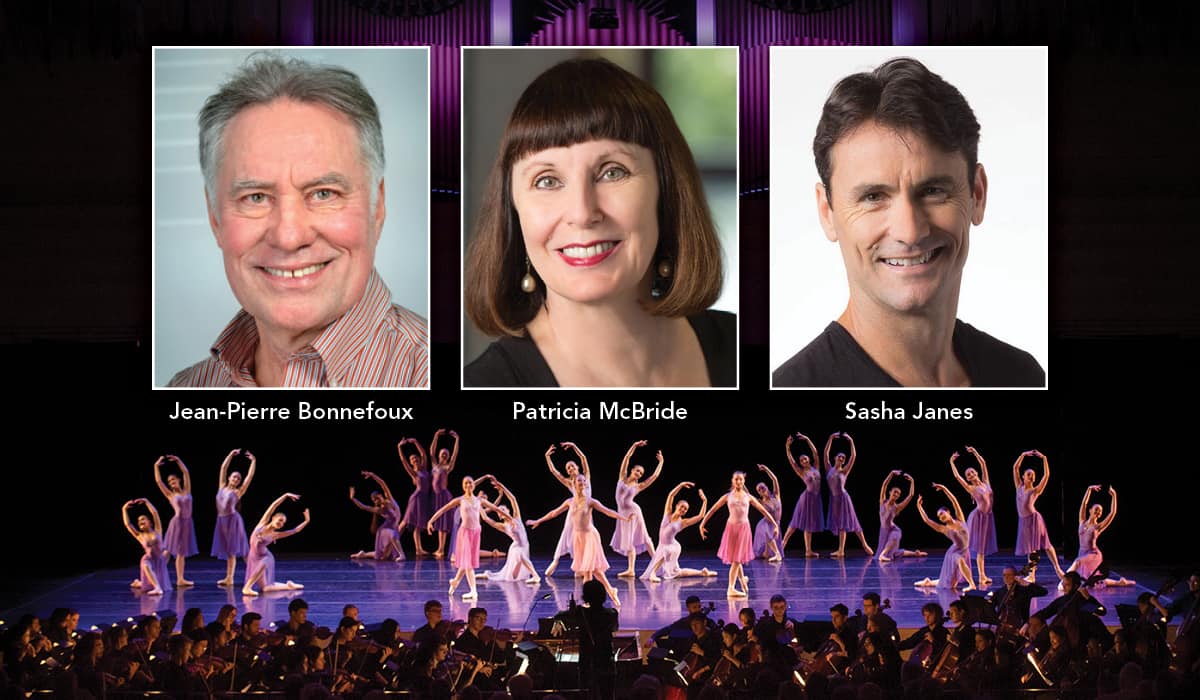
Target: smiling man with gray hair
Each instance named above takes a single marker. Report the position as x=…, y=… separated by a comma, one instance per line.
x=292, y=158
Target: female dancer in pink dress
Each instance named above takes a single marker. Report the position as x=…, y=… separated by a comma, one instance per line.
x=587, y=552
x=981, y=522
x=180, y=539
x=387, y=533
x=631, y=536
x=229, y=537
x=260, y=563
x=466, y=540
x=675, y=519
x=152, y=569
x=842, y=518
x=1091, y=523
x=955, y=566
x=572, y=469
x=809, y=515
x=510, y=523
x=420, y=502
x=443, y=464
x=1031, y=528
x=766, y=541
x=736, y=547
x=890, y=506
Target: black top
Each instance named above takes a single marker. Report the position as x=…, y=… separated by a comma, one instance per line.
x=518, y=362
x=834, y=358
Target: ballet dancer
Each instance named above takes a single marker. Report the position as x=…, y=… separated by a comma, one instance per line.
x=572, y=468
x=1091, y=523
x=809, y=514
x=420, y=502
x=842, y=518
x=587, y=552
x=180, y=538
x=631, y=536
x=736, y=547
x=152, y=569
x=443, y=464
x=954, y=526
x=387, y=534
x=981, y=522
x=767, y=545
x=229, y=536
x=1031, y=528
x=260, y=563
x=674, y=520
x=510, y=523
x=890, y=506
x=466, y=540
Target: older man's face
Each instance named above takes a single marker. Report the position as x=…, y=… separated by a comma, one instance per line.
x=900, y=209
x=292, y=215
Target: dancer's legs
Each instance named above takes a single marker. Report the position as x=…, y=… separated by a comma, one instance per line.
x=180, y=581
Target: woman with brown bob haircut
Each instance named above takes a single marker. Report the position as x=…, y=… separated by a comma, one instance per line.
x=596, y=257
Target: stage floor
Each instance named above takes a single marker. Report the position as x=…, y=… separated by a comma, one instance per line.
x=398, y=590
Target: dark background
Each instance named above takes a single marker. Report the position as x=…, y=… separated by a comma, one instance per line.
x=84, y=428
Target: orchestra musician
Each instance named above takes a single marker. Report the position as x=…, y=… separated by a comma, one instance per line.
x=426, y=634
x=495, y=653
x=775, y=633
x=675, y=636
x=704, y=651
x=1012, y=602
x=1077, y=611
x=738, y=657
x=927, y=643
x=873, y=611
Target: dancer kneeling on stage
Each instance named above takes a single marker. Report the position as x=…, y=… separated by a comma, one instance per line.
x=152, y=569
x=1090, y=527
x=387, y=533
x=890, y=506
x=666, y=557
x=587, y=553
x=260, y=563
x=510, y=524
x=955, y=566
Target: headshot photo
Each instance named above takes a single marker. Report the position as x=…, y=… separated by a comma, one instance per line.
x=600, y=217
x=291, y=217
x=887, y=166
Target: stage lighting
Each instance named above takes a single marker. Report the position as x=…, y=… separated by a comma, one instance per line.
x=603, y=18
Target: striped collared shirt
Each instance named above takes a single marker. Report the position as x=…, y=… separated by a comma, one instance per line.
x=375, y=343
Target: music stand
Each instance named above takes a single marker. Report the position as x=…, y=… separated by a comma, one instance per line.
x=979, y=609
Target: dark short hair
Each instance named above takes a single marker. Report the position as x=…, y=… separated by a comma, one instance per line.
x=960, y=606
x=433, y=605
x=778, y=598
x=249, y=617
x=692, y=599
x=698, y=617
x=297, y=604
x=935, y=609
x=347, y=622
x=594, y=593
x=475, y=612
x=904, y=95
x=987, y=634
x=1074, y=577
x=572, y=102
x=872, y=596
x=840, y=609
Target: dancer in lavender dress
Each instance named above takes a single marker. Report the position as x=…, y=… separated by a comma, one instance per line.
x=666, y=556
x=443, y=464
x=260, y=563
x=1031, y=528
x=956, y=567
x=809, y=515
x=587, y=552
x=510, y=523
x=842, y=518
x=180, y=539
x=152, y=569
x=420, y=503
x=466, y=540
x=981, y=522
x=767, y=543
x=229, y=536
x=387, y=511
x=890, y=506
x=1091, y=523
x=631, y=536
x=736, y=546
x=572, y=469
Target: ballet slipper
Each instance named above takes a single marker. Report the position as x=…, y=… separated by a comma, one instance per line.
x=249, y=592
x=775, y=559
x=137, y=583
x=985, y=581
x=926, y=582
x=184, y=583
x=707, y=572
x=870, y=552
x=969, y=587
x=884, y=559
x=293, y=586
x=654, y=579
x=811, y=554
x=627, y=573
x=496, y=554
x=837, y=555
x=225, y=582
x=920, y=553
x=533, y=579
x=154, y=591
x=399, y=558
x=470, y=595
x=616, y=600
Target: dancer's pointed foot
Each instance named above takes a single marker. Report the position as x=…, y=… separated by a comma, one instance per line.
x=883, y=558
x=732, y=592
x=225, y=582
x=926, y=582
x=870, y=552
x=249, y=592
x=533, y=579
x=184, y=583
x=811, y=554
x=968, y=587
x=470, y=595
x=137, y=583
x=838, y=554
x=627, y=573
x=984, y=581
x=921, y=553
x=707, y=572
x=615, y=599
x=775, y=559
x=653, y=578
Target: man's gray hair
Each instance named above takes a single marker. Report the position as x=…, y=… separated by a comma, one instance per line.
x=266, y=77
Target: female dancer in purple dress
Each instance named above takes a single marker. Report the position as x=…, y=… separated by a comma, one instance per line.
x=1031, y=528
x=736, y=547
x=152, y=569
x=387, y=534
x=466, y=540
x=766, y=542
x=443, y=464
x=180, y=540
x=809, y=515
x=631, y=536
x=420, y=503
x=573, y=470
x=260, y=563
x=1091, y=523
x=955, y=566
x=229, y=537
x=587, y=552
x=890, y=506
x=842, y=518
x=510, y=523
x=981, y=522
x=675, y=519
